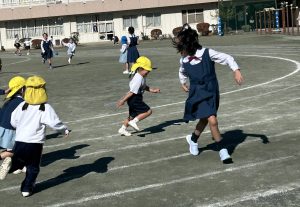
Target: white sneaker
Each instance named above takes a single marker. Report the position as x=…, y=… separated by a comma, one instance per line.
x=133, y=125
x=193, y=146
x=124, y=132
x=5, y=167
x=20, y=171
x=26, y=194
x=224, y=154
x=125, y=72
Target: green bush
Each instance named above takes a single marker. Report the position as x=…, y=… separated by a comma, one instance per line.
x=246, y=28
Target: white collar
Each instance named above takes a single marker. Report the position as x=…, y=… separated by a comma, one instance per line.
x=198, y=54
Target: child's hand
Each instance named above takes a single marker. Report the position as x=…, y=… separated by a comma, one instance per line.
x=155, y=90
x=185, y=87
x=120, y=103
x=238, y=77
x=7, y=91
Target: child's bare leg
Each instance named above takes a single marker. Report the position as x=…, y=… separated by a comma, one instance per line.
x=138, y=118
x=123, y=129
x=213, y=124
x=144, y=115
x=221, y=146
x=125, y=122
x=50, y=63
x=199, y=129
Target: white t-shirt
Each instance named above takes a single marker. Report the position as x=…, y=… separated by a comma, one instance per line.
x=27, y=42
x=31, y=123
x=137, y=84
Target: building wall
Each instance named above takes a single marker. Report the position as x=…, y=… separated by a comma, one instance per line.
x=171, y=16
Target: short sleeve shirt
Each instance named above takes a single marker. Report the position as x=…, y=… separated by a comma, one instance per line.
x=137, y=84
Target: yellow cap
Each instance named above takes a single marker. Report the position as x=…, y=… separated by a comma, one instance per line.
x=35, y=92
x=15, y=84
x=142, y=62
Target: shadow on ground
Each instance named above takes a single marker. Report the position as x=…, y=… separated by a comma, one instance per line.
x=68, y=154
x=160, y=127
x=72, y=173
x=233, y=138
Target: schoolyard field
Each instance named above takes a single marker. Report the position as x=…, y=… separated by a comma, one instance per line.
x=97, y=167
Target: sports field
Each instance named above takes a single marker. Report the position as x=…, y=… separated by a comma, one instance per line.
x=153, y=168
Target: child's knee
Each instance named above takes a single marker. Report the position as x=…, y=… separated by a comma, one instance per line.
x=213, y=122
x=149, y=112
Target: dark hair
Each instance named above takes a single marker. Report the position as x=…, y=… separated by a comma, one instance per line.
x=131, y=30
x=187, y=40
x=45, y=34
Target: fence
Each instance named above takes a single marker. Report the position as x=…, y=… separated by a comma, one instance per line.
x=285, y=20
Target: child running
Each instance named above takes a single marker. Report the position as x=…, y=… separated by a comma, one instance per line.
x=198, y=64
x=17, y=45
x=7, y=131
x=123, y=54
x=30, y=120
x=47, y=50
x=138, y=110
x=71, y=49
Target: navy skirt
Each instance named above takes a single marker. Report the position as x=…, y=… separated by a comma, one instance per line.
x=47, y=54
x=203, y=101
x=132, y=54
x=137, y=105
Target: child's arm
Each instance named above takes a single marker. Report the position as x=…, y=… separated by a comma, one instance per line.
x=183, y=78
x=225, y=59
x=2, y=91
x=152, y=90
x=238, y=77
x=51, y=119
x=124, y=99
x=123, y=48
x=42, y=46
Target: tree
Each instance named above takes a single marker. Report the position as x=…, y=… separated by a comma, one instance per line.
x=226, y=12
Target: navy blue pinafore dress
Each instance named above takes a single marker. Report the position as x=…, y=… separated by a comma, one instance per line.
x=47, y=48
x=133, y=53
x=204, y=95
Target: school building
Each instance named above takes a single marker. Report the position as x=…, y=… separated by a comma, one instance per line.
x=99, y=20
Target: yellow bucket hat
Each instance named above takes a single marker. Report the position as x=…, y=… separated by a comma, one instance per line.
x=15, y=84
x=142, y=62
x=35, y=92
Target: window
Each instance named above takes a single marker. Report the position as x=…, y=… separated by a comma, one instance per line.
x=86, y=24
x=153, y=20
x=192, y=16
x=130, y=21
x=34, y=28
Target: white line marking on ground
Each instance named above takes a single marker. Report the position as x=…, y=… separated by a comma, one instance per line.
x=176, y=138
x=180, y=111
x=229, y=92
x=166, y=158
x=254, y=195
x=14, y=63
x=159, y=185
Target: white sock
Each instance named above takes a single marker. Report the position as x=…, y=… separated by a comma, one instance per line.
x=123, y=127
x=135, y=120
